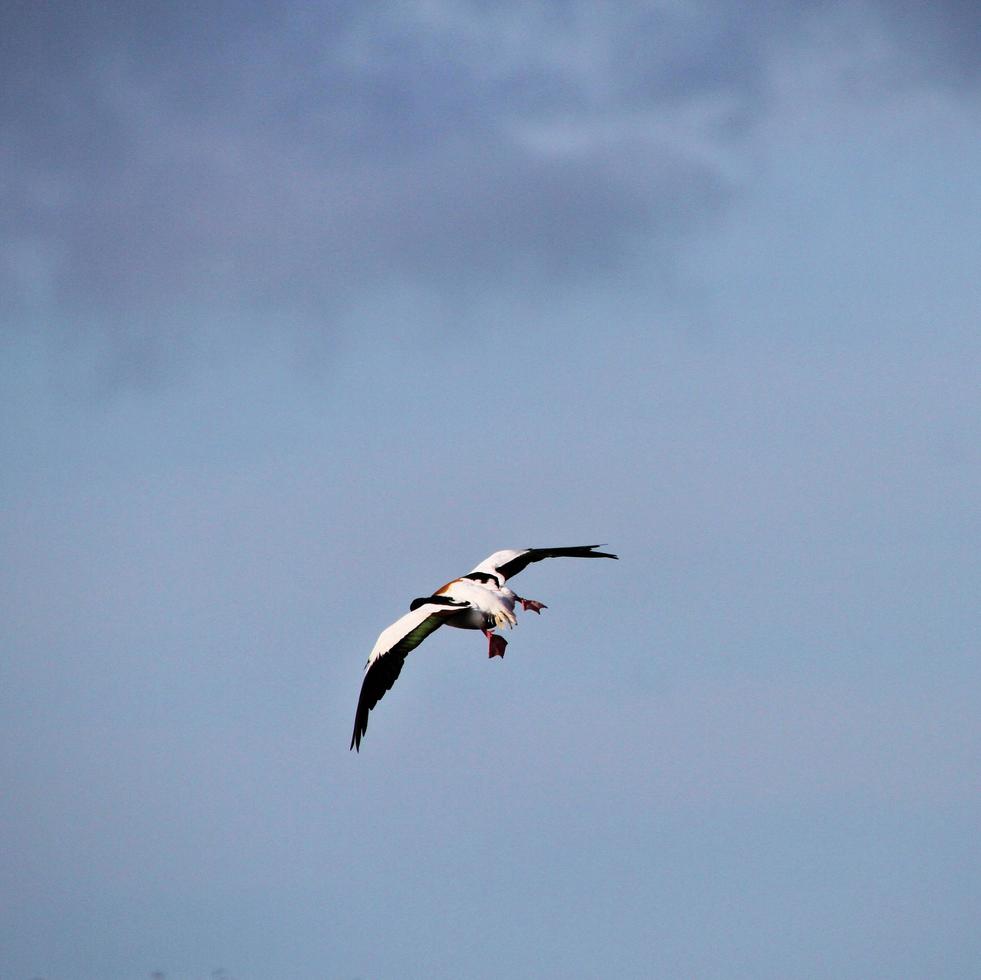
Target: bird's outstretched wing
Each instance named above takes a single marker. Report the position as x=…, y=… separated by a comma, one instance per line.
x=507, y=564
x=392, y=647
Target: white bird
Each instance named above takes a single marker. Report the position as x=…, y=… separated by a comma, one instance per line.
x=478, y=600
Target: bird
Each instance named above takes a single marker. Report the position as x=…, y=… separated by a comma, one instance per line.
x=479, y=600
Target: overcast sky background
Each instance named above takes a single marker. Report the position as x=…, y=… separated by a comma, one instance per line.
x=307, y=308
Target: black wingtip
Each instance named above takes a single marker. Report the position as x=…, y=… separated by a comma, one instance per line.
x=580, y=551
x=360, y=727
x=593, y=553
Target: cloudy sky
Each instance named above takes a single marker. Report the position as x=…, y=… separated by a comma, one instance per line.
x=306, y=308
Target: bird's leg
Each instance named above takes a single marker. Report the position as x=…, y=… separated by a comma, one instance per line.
x=496, y=644
x=533, y=604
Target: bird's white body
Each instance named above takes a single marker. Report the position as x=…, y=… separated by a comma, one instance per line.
x=489, y=607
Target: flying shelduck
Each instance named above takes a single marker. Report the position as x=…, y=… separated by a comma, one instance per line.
x=478, y=600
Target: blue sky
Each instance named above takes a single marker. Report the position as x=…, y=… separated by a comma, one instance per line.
x=307, y=308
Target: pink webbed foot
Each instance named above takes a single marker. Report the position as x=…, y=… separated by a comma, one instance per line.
x=495, y=644
x=533, y=604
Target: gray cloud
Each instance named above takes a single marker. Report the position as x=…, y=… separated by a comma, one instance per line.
x=161, y=165
x=255, y=169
